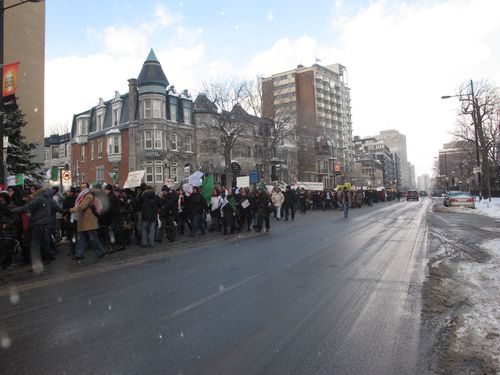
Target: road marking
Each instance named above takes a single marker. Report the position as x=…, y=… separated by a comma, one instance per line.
x=210, y=297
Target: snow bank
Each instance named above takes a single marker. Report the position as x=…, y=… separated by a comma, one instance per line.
x=479, y=330
x=491, y=209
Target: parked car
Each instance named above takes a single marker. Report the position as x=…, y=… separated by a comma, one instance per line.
x=412, y=195
x=423, y=193
x=459, y=199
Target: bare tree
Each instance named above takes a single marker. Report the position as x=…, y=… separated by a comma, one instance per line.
x=60, y=128
x=478, y=124
x=229, y=118
x=280, y=128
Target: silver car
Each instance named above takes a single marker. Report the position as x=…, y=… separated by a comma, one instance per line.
x=459, y=199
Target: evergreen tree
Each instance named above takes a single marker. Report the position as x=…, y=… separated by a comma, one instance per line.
x=20, y=153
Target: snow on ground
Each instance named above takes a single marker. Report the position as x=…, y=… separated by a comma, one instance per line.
x=491, y=209
x=479, y=330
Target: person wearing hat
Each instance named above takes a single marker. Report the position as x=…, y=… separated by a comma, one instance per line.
x=9, y=224
x=86, y=223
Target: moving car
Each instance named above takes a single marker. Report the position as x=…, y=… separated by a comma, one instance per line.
x=412, y=195
x=459, y=199
x=423, y=193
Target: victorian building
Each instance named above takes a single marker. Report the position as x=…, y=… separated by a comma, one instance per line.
x=150, y=128
x=165, y=133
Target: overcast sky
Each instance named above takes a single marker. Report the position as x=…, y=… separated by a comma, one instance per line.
x=401, y=56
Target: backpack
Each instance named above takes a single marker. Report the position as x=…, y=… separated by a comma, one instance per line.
x=96, y=206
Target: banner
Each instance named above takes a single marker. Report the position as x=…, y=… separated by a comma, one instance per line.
x=10, y=72
x=54, y=174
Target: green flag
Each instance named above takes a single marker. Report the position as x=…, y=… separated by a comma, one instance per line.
x=54, y=174
x=207, y=187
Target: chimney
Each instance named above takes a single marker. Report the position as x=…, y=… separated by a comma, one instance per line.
x=132, y=99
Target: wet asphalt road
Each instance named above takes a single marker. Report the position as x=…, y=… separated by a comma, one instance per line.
x=320, y=295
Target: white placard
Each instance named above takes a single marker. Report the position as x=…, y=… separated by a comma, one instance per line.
x=243, y=181
x=134, y=179
x=245, y=203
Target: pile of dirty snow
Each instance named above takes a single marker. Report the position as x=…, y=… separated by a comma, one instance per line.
x=491, y=209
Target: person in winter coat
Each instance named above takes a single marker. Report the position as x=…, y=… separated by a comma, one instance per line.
x=278, y=199
x=229, y=212
x=215, y=211
x=39, y=207
x=245, y=201
x=345, y=199
x=302, y=200
x=111, y=221
x=9, y=225
x=87, y=223
x=168, y=215
x=289, y=203
x=264, y=207
x=149, y=204
x=196, y=204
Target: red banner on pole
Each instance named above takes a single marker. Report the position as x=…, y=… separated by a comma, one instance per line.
x=10, y=72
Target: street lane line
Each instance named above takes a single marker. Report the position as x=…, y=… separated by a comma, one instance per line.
x=210, y=297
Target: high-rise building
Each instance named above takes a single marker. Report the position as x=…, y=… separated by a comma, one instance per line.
x=24, y=41
x=397, y=143
x=317, y=100
x=424, y=183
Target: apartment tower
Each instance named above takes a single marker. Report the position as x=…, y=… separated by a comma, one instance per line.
x=317, y=100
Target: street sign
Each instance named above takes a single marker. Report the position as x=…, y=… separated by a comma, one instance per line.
x=254, y=177
x=66, y=175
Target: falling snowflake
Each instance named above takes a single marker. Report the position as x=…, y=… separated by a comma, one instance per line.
x=221, y=288
x=109, y=307
x=182, y=334
x=5, y=341
x=14, y=296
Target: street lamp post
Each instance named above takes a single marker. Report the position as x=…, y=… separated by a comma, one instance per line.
x=3, y=161
x=476, y=142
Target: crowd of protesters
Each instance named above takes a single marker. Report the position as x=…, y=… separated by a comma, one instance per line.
x=108, y=219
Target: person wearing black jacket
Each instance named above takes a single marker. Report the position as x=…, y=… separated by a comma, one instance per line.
x=39, y=207
x=149, y=204
x=196, y=204
x=264, y=208
x=9, y=225
x=168, y=215
x=290, y=201
x=110, y=221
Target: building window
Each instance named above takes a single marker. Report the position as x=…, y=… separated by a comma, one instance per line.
x=99, y=174
x=173, y=142
x=188, y=144
x=187, y=115
x=66, y=150
x=152, y=108
x=149, y=173
x=158, y=139
x=154, y=171
x=99, y=149
x=55, y=152
x=45, y=155
x=83, y=152
x=173, y=112
x=114, y=145
x=116, y=116
x=83, y=127
x=92, y=151
x=156, y=109
x=159, y=171
x=173, y=173
x=100, y=122
x=148, y=140
x=146, y=109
